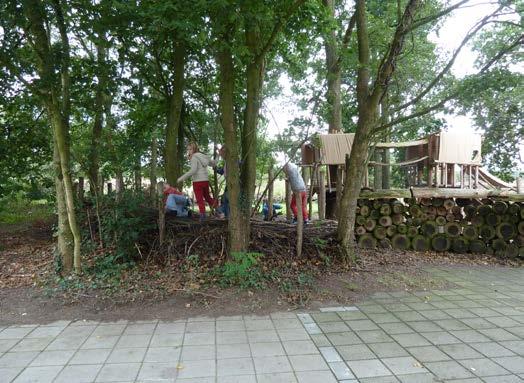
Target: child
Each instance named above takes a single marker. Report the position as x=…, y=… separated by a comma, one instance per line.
x=176, y=202
x=198, y=172
x=297, y=185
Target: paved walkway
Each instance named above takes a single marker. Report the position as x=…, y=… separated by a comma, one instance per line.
x=474, y=333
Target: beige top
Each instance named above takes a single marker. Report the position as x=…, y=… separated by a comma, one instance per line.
x=198, y=171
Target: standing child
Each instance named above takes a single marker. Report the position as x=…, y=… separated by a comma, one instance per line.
x=199, y=163
x=297, y=186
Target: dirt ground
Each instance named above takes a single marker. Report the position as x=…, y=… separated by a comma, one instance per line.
x=26, y=258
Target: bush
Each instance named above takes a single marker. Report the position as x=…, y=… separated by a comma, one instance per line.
x=16, y=208
x=243, y=270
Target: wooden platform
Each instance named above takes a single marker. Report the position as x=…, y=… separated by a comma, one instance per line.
x=442, y=193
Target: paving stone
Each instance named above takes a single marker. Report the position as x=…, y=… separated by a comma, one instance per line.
x=131, y=341
x=503, y=379
x=383, y=318
x=514, y=364
x=271, y=364
x=299, y=347
x=410, y=340
x=404, y=365
x=518, y=331
x=170, y=328
x=196, y=369
x=372, y=309
x=85, y=373
x=424, y=326
x=238, y=350
x=396, y=307
x=108, y=330
x=491, y=349
x=15, y=333
x=330, y=354
x=329, y=327
x=354, y=315
x=341, y=370
x=287, y=324
x=409, y=316
x=167, y=340
x=197, y=352
x=316, y=377
x=460, y=351
x=262, y=336
x=362, y=325
x=501, y=321
x=440, y=337
x=483, y=367
x=517, y=346
x=127, y=355
x=17, y=359
x=8, y=374
x=308, y=362
x=118, y=372
x=100, y=341
x=44, y=332
x=484, y=312
x=355, y=352
x=325, y=317
x=200, y=327
x=52, y=358
x=34, y=344
x=396, y=328
x=434, y=315
x=460, y=313
x=448, y=370
x=477, y=323
x=343, y=338
x=368, y=368
x=235, y=366
x=428, y=354
x=199, y=339
x=295, y=334
x=166, y=372
x=7, y=344
x=498, y=334
x=332, y=309
x=452, y=324
x=387, y=350
x=280, y=377
x=38, y=374
x=320, y=340
x=231, y=337
x=234, y=325
x=470, y=336
x=258, y=325
x=417, y=378
x=97, y=356
x=379, y=379
x=267, y=349
x=77, y=331
x=374, y=336
x=236, y=379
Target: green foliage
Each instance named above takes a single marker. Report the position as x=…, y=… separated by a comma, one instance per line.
x=16, y=208
x=243, y=271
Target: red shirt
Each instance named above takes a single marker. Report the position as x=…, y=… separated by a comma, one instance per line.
x=171, y=190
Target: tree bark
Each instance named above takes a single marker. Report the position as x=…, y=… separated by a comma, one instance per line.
x=152, y=169
x=270, y=193
x=238, y=241
x=176, y=99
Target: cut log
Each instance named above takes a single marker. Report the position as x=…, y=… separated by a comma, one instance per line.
x=470, y=210
x=441, y=210
x=492, y=219
x=521, y=228
x=367, y=241
x=484, y=210
x=441, y=221
x=385, y=209
x=385, y=221
x=440, y=242
x=417, y=221
x=457, y=211
x=360, y=220
x=397, y=208
x=425, y=201
x=514, y=209
x=360, y=230
x=412, y=231
x=512, y=250
x=429, y=228
x=376, y=204
x=380, y=232
x=477, y=246
x=519, y=240
x=402, y=229
x=437, y=202
x=514, y=219
x=391, y=230
x=370, y=224
x=477, y=220
x=375, y=214
x=521, y=252
x=460, y=245
x=401, y=242
x=470, y=232
x=506, y=231
x=500, y=207
x=487, y=233
x=452, y=229
x=364, y=210
x=498, y=244
x=397, y=219
x=415, y=211
x=384, y=243
x=449, y=204
x=420, y=243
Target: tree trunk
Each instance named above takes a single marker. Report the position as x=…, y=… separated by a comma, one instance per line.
x=65, y=236
x=289, y=214
x=49, y=84
x=321, y=195
x=377, y=171
x=176, y=99
x=300, y=224
x=137, y=171
x=152, y=169
x=238, y=241
x=270, y=193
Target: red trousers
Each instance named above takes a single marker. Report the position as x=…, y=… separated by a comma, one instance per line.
x=201, y=189
x=303, y=196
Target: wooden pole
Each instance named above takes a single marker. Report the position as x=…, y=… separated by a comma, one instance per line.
x=340, y=176
x=300, y=223
x=321, y=195
x=161, y=213
x=313, y=175
x=81, y=189
x=109, y=188
x=476, y=177
x=377, y=170
x=288, y=201
x=270, y=194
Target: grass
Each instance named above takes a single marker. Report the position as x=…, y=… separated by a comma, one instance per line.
x=18, y=211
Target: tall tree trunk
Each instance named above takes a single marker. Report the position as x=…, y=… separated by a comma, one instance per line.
x=152, y=169
x=65, y=236
x=96, y=134
x=384, y=117
x=176, y=99
x=238, y=241
x=255, y=78
x=35, y=12
x=137, y=172
x=333, y=72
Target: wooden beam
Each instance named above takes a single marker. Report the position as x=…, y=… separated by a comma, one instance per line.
x=404, y=144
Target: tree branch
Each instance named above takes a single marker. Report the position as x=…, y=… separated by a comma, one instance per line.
x=450, y=63
x=436, y=16
x=277, y=28
x=347, y=37
x=518, y=41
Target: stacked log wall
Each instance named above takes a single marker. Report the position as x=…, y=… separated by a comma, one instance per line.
x=461, y=225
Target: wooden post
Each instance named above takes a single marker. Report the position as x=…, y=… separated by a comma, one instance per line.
x=430, y=173
x=321, y=194
x=377, y=170
x=270, y=193
x=313, y=174
x=340, y=175
x=476, y=177
x=300, y=223
x=470, y=176
x=109, y=188
x=462, y=177
x=161, y=213
x=288, y=201
x=386, y=171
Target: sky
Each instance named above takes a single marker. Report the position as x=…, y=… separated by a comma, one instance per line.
x=279, y=111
